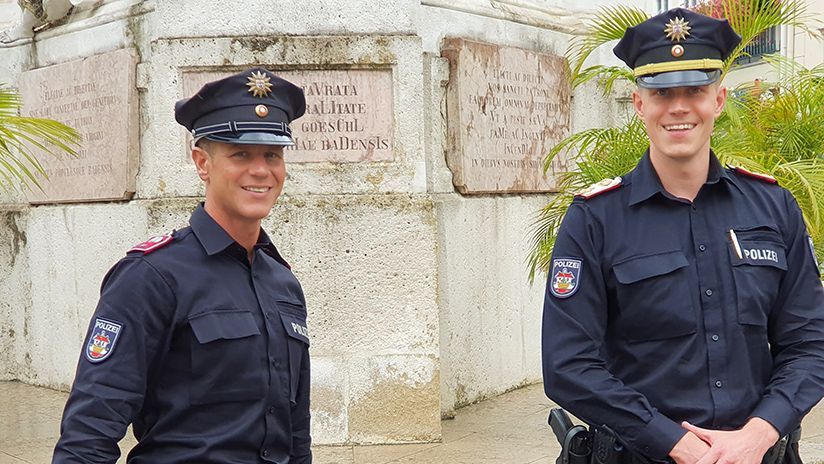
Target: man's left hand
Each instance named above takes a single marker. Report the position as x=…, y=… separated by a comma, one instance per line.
x=746, y=445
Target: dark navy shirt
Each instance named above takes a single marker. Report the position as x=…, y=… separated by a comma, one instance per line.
x=654, y=314
x=206, y=354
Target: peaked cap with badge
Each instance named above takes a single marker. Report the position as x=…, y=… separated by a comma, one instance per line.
x=677, y=48
x=251, y=107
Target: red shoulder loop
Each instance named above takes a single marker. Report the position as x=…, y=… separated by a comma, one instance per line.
x=755, y=175
x=600, y=187
x=153, y=244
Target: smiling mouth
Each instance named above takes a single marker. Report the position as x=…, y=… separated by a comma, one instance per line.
x=257, y=189
x=679, y=127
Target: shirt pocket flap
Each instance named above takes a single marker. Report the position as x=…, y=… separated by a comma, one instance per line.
x=643, y=267
x=223, y=325
x=295, y=326
x=761, y=253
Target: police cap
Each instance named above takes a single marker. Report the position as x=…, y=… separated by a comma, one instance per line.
x=251, y=107
x=677, y=48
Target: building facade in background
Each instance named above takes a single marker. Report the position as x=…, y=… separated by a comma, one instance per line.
x=408, y=202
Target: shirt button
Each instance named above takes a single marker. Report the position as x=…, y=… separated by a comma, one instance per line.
x=275, y=362
x=718, y=383
x=271, y=410
x=715, y=338
x=265, y=453
x=708, y=292
x=702, y=247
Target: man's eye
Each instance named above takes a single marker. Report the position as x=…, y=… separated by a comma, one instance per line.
x=240, y=154
x=661, y=92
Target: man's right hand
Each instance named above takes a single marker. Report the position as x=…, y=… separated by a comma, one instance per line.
x=689, y=449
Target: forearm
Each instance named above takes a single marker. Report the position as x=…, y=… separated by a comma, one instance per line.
x=578, y=380
x=85, y=435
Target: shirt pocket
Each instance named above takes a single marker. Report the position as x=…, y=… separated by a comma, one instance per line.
x=293, y=317
x=226, y=357
x=757, y=271
x=653, y=294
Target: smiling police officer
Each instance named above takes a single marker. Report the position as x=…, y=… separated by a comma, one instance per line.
x=684, y=311
x=199, y=338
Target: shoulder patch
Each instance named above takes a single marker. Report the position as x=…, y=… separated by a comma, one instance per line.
x=102, y=339
x=154, y=243
x=812, y=252
x=755, y=175
x=564, y=279
x=600, y=187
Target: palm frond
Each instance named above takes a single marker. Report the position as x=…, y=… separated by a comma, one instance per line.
x=750, y=18
x=22, y=137
x=608, y=24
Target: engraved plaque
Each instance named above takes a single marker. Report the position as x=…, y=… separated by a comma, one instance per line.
x=98, y=97
x=506, y=108
x=349, y=113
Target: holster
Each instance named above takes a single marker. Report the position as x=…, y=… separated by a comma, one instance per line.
x=785, y=451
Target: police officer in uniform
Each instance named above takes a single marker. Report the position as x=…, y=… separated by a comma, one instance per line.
x=684, y=311
x=199, y=338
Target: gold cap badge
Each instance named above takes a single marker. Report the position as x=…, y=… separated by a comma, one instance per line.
x=259, y=84
x=677, y=51
x=677, y=29
x=262, y=111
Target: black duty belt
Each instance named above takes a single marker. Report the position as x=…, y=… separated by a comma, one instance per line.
x=599, y=445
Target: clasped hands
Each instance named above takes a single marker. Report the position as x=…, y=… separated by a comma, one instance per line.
x=746, y=445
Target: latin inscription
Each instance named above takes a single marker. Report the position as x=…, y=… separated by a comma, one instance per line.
x=349, y=113
x=507, y=108
x=97, y=97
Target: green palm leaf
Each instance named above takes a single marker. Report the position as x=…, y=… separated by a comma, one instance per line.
x=21, y=136
x=608, y=24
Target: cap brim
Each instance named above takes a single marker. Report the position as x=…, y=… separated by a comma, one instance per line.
x=251, y=138
x=689, y=78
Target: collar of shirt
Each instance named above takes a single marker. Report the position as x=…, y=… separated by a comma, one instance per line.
x=214, y=239
x=645, y=183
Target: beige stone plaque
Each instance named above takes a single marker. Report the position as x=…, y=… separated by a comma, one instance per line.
x=98, y=97
x=506, y=108
x=349, y=113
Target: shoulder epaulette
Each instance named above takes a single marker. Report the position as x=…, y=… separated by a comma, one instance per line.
x=600, y=187
x=755, y=175
x=155, y=243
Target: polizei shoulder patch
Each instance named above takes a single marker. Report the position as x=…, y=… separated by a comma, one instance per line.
x=600, y=187
x=755, y=175
x=565, y=277
x=153, y=244
x=102, y=340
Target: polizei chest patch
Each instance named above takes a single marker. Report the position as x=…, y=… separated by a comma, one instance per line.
x=102, y=340
x=565, y=277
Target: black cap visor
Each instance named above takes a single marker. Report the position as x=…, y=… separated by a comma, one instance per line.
x=689, y=78
x=251, y=138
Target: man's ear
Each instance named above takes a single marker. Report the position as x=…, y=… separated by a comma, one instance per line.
x=720, y=100
x=638, y=103
x=201, y=159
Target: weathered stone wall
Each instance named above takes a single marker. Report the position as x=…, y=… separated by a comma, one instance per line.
x=489, y=313
x=418, y=296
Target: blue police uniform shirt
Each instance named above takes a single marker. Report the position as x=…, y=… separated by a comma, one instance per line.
x=652, y=317
x=210, y=363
